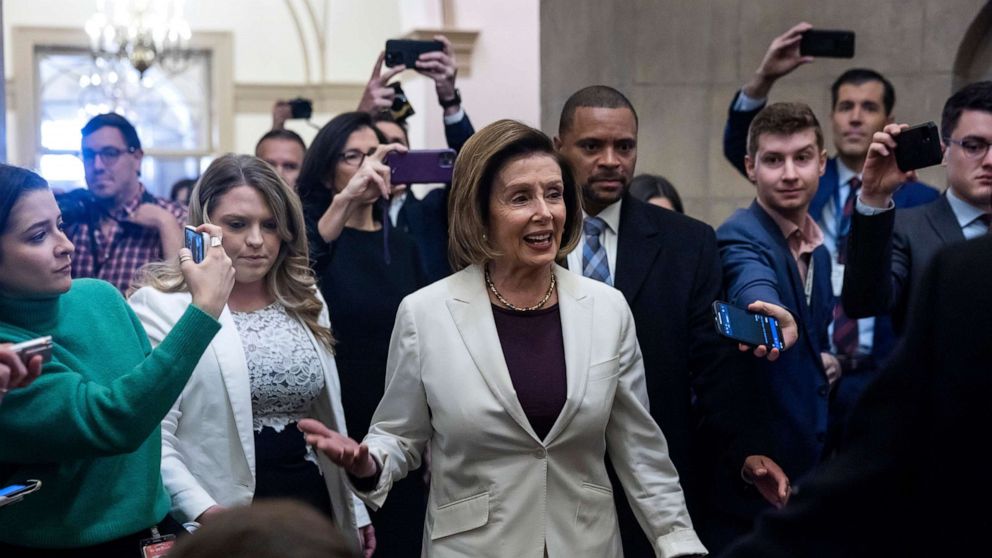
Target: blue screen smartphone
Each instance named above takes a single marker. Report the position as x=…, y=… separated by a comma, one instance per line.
x=747, y=327
x=196, y=242
x=14, y=492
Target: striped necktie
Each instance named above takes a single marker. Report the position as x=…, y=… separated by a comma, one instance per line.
x=846, y=338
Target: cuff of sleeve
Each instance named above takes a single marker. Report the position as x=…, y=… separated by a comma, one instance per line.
x=683, y=542
x=454, y=118
x=361, y=514
x=188, y=504
x=748, y=104
x=865, y=209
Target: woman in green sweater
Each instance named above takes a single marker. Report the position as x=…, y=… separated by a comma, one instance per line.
x=88, y=427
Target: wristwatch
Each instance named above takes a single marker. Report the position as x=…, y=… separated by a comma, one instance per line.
x=454, y=101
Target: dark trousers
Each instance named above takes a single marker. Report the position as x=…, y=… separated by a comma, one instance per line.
x=124, y=547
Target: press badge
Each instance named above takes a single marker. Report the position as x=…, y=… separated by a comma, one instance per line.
x=157, y=546
x=837, y=278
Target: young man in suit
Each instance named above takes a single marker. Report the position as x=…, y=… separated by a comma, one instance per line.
x=667, y=267
x=862, y=102
x=889, y=248
x=773, y=251
x=887, y=493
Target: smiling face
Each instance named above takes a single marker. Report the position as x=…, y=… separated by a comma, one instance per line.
x=251, y=237
x=527, y=212
x=786, y=170
x=34, y=252
x=601, y=147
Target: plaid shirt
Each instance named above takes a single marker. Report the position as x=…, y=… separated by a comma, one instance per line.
x=116, y=257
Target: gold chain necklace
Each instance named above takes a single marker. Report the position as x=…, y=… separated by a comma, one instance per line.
x=538, y=306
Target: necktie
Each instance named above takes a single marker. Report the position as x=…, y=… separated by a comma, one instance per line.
x=594, y=262
x=845, y=335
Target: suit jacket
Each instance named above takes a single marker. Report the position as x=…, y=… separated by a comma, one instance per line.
x=426, y=220
x=208, y=443
x=911, y=194
x=496, y=488
x=911, y=436
x=758, y=265
x=888, y=253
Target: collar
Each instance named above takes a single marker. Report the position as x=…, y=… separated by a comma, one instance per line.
x=844, y=173
x=610, y=215
x=809, y=232
x=964, y=212
x=124, y=212
x=38, y=315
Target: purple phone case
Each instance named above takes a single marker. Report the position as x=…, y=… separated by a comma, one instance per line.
x=426, y=166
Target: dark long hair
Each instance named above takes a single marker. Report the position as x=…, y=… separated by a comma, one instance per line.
x=14, y=183
x=316, y=181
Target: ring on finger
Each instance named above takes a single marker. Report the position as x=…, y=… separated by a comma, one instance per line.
x=183, y=259
x=215, y=241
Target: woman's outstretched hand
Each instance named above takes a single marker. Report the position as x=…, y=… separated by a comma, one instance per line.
x=342, y=450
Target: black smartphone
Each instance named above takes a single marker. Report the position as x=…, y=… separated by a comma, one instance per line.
x=14, y=492
x=406, y=51
x=401, y=109
x=196, y=242
x=828, y=44
x=747, y=327
x=425, y=166
x=301, y=108
x=27, y=350
x=918, y=147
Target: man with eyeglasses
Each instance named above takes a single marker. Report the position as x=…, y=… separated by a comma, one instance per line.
x=119, y=226
x=888, y=249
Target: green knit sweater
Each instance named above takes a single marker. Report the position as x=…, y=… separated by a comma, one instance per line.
x=88, y=427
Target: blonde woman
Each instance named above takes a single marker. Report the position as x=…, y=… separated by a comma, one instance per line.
x=232, y=437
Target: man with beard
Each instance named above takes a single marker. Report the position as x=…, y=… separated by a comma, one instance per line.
x=116, y=225
x=668, y=268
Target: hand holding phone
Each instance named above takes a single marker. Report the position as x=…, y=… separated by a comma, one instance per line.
x=301, y=108
x=16, y=492
x=421, y=166
x=918, y=147
x=827, y=43
x=27, y=350
x=764, y=328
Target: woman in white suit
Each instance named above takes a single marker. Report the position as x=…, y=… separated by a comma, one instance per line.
x=521, y=376
x=231, y=437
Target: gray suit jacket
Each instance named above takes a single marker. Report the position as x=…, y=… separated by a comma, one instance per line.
x=887, y=253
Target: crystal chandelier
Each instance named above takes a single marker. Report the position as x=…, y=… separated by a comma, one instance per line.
x=140, y=33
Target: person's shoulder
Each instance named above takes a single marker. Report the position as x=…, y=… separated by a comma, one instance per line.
x=97, y=289
x=175, y=208
x=152, y=297
x=742, y=222
x=666, y=220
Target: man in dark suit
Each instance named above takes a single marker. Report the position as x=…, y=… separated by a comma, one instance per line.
x=425, y=219
x=908, y=478
x=862, y=103
x=889, y=248
x=667, y=267
x=773, y=251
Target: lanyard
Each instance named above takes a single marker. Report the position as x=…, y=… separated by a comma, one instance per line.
x=808, y=287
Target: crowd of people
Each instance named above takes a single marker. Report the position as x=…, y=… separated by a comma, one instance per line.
x=521, y=362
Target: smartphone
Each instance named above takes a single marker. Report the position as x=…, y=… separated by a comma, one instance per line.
x=918, y=147
x=401, y=109
x=14, y=492
x=747, y=327
x=301, y=108
x=424, y=166
x=196, y=242
x=406, y=51
x=828, y=44
x=26, y=350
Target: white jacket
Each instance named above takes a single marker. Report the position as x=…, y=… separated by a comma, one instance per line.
x=496, y=488
x=208, y=443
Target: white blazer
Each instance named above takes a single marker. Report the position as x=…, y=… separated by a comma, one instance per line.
x=496, y=488
x=208, y=442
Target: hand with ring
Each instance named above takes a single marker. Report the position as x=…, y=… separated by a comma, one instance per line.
x=210, y=281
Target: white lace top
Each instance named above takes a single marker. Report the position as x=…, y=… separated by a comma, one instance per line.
x=283, y=365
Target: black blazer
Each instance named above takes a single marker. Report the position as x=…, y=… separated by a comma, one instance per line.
x=888, y=253
x=908, y=475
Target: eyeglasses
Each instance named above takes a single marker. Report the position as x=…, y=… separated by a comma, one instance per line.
x=353, y=157
x=973, y=148
x=109, y=155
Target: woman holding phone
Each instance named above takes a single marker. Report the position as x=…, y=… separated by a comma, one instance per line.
x=88, y=427
x=364, y=268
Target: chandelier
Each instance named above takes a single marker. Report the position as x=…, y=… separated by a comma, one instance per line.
x=140, y=33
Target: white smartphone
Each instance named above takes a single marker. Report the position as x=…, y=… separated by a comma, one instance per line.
x=28, y=349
